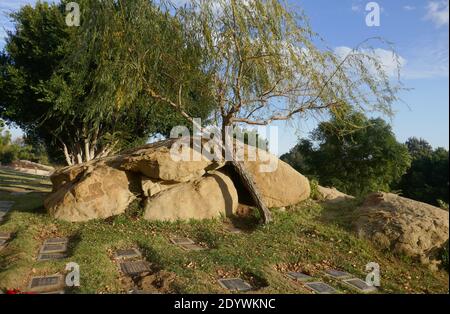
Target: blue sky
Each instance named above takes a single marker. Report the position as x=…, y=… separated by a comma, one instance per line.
x=419, y=30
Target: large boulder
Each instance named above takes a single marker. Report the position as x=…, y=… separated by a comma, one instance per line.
x=98, y=192
x=332, y=195
x=172, y=188
x=65, y=175
x=163, y=164
x=278, y=183
x=403, y=225
x=151, y=187
x=208, y=197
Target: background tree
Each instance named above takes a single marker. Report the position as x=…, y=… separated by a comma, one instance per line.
x=427, y=179
x=18, y=149
x=62, y=89
x=365, y=160
x=262, y=59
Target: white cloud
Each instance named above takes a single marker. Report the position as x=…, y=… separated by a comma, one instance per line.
x=426, y=60
x=409, y=8
x=437, y=12
x=390, y=61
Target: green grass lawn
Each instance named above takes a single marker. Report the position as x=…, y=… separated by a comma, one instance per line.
x=308, y=237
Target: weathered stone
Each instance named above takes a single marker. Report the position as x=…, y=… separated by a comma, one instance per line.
x=99, y=193
x=277, y=182
x=208, y=197
x=151, y=187
x=172, y=189
x=405, y=226
x=332, y=195
x=160, y=163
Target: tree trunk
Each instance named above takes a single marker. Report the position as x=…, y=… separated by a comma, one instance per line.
x=246, y=179
x=248, y=182
x=69, y=161
x=87, y=150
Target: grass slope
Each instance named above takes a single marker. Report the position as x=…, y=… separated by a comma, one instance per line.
x=308, y=237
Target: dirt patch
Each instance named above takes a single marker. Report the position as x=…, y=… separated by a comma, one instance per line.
x=153, y=282
x=305, y=268
x=159, y=282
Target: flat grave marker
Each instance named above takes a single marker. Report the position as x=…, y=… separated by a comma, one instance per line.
x=139, y=291
x=338, y=274
x=192, y=247
x=127, y=253
x=233, y=229
x=54, y=248
x=235, y=284
x=359, y=285
x=46, y=283
x=181, y=240
x=298, y=276
x=133, y=268
x=320, y=287
x=5, y=235
x=51, y=256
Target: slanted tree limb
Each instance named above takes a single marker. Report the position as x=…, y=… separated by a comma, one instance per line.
x=244, y=175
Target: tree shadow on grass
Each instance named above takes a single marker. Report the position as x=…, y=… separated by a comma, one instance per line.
x=74, y=241
x=342, y=213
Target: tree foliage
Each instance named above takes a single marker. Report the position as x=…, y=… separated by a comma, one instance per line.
x=71, y=88
x=20, y=148
x=365, y=160
x=267, y=65
x=427, y=179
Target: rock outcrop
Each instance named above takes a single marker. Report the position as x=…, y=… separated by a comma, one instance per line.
x=100, y=192
x=282, y=187
x=332, y=195
x=208, y=197
x=172, y=189
x=403, y=225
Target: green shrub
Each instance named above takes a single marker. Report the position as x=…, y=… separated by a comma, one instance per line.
x=315, y=194
x=8, y=156
x=442, y=204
